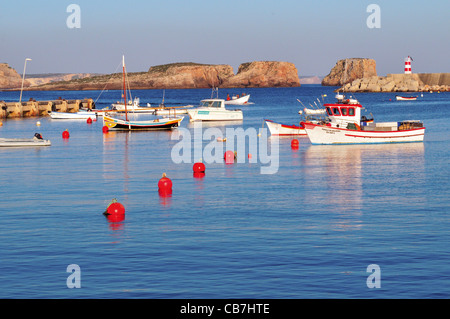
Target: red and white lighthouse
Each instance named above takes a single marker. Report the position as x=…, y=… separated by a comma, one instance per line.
x=408, y=65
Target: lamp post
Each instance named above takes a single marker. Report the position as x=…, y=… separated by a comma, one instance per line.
x=23, y=78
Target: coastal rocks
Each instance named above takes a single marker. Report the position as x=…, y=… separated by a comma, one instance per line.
x=348, y=70
x=264, y=74
x=190, y=76
x=38, y=79
x=394, y=83
x=9, y=78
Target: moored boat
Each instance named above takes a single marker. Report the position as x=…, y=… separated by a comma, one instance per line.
x=35, y=141
x=214, y=110
x=405, y=98
x=81, y=115
x=344, y=125
x=235, y=100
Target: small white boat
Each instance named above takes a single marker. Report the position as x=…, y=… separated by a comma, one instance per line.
x=132, y=107
x=172, y=110
x=37, y=140
x=214, y=110
x=405, y=98
x=81, y=115
x=345, y=125
x=238, y=100
x=284, y=129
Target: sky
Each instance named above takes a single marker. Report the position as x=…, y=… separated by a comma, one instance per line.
x=313, y=35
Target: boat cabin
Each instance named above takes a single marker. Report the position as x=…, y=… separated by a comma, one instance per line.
x=215, y=103
x=344, y=112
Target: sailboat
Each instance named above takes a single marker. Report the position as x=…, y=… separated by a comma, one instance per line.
x=127, y=125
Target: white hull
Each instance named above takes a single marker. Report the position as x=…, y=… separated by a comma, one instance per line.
x=171, y=111
x=403, y=98
x=212, y=114
x=23, y=142
x=238, y=101
x=282, y=129
x=320, y=134
x=82, y=115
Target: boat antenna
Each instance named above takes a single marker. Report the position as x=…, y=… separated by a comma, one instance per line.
x=124, y=88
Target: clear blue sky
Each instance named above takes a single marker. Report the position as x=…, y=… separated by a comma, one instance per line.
x=311, y=34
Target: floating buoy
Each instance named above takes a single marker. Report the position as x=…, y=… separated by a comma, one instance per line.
x=38, y=123
x=105, y=129
x=65, y=134
x=199, y=167
x=1, y=123
x=89, y=120
x=294, y=143
x=165, y=184
x=249, y=156
x=115, y=211
x=229, y=157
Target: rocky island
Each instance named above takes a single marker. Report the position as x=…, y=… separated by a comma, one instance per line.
x=359, y=75
x=185, y=76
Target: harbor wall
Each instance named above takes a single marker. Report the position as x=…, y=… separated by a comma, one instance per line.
x=42, y=108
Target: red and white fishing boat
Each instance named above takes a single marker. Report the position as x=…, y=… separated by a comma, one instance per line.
x=284, y=129
x=405, y=98
x=344, y=125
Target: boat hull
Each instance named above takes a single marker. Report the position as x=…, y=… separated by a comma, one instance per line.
x=23, y=142
x=405, y=98
x=215, y=115
x=158, y=124
x=73, y=116
x=239, y=101
x=321, y=134
x=286, y=130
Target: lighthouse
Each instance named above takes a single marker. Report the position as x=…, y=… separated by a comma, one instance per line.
x=408, y=65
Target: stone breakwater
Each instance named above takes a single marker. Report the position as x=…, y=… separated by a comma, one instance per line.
x=419, y=82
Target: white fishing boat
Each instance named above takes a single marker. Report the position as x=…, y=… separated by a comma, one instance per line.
x=166, y=110
x=214, y=110
x=405, y=98
x=36, y=141
x=235, y=100
x=345, y=125
x=114, y=123
x=80, y=115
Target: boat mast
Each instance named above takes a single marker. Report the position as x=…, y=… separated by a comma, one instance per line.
x=124, y=87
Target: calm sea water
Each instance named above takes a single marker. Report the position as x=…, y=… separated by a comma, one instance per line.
x=308, y=231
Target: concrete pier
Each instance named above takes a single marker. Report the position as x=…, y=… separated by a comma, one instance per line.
x=41, y=108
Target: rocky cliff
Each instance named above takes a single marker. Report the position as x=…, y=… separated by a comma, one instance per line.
x=9, y=78
x=264, y=74
x=39, y=79
x=400, y=83
x=189, y=76
x=348, y=70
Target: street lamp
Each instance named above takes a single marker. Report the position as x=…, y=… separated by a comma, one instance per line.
x=23, y=78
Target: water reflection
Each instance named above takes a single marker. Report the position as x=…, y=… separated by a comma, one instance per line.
x=343, y=171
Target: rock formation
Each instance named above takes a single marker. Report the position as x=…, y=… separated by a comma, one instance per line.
x=264, y=74
x=400, y=83
x=190, y=76
x=9, y=78
x=348, y=70
x=39, y=79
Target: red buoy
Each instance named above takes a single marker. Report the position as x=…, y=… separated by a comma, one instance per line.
x=89, y=120
x=116, y=209
x=105, y=129
x=199, y=167
x=165, y=184
x=229, y=157
x=115, y=212
x=294, y=143
x=65, y=134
